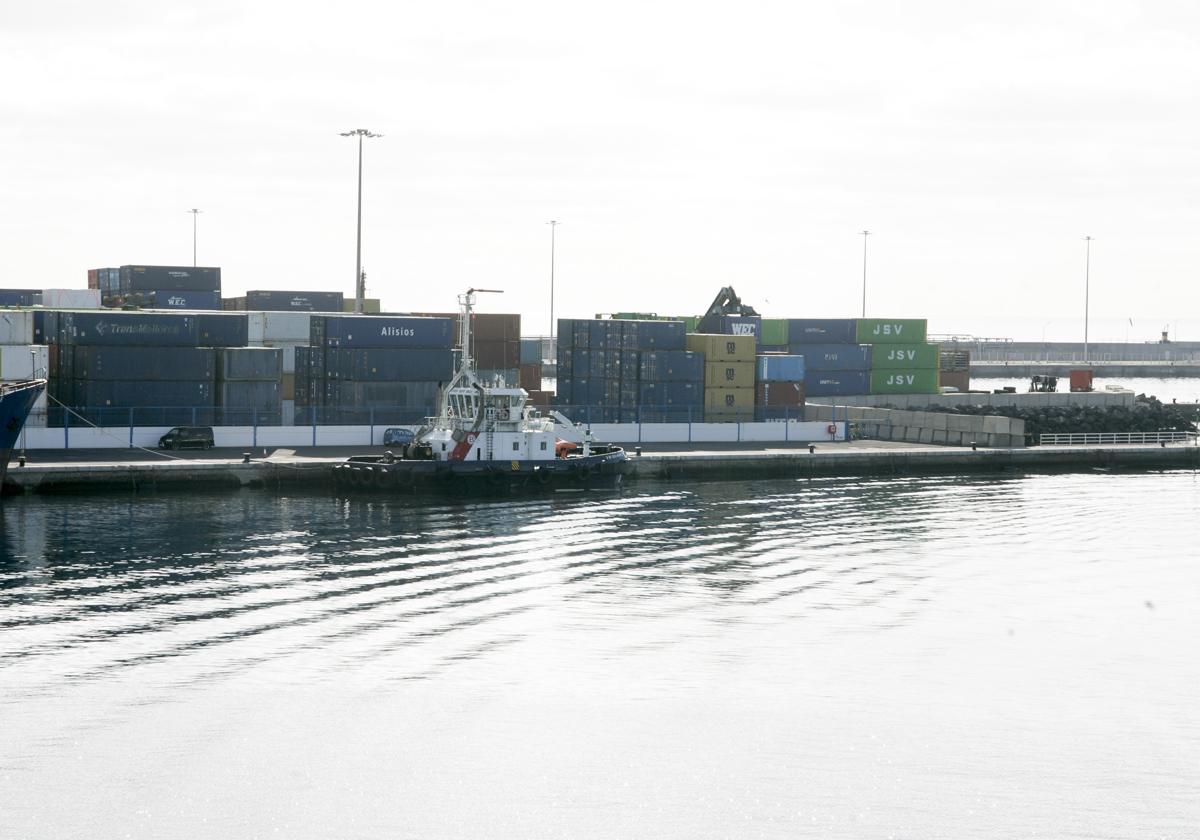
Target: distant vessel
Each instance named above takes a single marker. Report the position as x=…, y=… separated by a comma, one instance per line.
x=16, y=401
x=485, y=438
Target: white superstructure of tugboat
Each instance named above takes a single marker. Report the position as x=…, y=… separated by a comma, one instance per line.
x=486, y=437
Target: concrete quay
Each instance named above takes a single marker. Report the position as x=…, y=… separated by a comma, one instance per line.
x=287, y=471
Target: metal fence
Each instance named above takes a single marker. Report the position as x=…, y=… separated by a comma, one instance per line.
x=1103, y=438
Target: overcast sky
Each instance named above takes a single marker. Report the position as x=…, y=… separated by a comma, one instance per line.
x=684, y=147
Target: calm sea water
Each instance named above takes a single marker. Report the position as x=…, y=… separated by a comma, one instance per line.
x=1009, y=656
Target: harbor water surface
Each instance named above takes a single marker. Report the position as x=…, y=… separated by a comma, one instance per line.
x=996, y=656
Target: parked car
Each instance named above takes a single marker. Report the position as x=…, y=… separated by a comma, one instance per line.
x=397, y=437
x=184, y=437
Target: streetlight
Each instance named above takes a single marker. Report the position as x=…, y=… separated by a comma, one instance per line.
x=195, y=215
x=1087, y=272
x=865, y=234
x=553, y=224
x=359, y=290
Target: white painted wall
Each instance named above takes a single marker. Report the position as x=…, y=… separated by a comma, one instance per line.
x=120, y=437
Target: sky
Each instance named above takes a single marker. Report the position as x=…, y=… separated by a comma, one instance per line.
x=683, y=148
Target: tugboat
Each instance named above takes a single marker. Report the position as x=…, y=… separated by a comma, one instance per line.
x=486, y=440
x=16, y=401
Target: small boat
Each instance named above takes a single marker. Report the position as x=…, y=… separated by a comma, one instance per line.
x=487, y=439
x=16, y=401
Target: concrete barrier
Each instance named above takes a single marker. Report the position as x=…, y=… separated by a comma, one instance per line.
x=931, y=427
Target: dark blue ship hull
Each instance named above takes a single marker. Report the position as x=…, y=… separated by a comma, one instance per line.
x=16, y=401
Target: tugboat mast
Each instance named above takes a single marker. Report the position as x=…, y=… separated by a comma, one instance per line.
x=467, y=302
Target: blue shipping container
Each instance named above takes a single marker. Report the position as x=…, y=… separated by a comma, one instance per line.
x=250, y=364
x=821, y=331
x=531, y=351
x=157, y=365
x=260, y=396
x=140, y=329
x=20, y=297
x=224, y=330
x=671, y=393
x=741, y=325
x=672, y=366
x=132, y=393
x=653, y=335
x=381, y=364
x=825, y=383
x=184, y=300
x=835, y=356
x=363, y=331
x=780, y=369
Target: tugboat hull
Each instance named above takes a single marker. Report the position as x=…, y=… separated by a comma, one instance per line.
x=380, y=476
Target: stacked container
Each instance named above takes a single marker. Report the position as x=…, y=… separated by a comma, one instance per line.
x=144, y=285
x=779, y=387
x=728, y=375
x=600, y=366
x=495, y=343
x=280, y=301
x=248, y=385
x=901, y=363
x=834, y=363
x=382, y=369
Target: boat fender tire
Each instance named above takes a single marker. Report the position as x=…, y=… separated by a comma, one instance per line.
x=544, y=476
x=584, y=472
x=383, y=477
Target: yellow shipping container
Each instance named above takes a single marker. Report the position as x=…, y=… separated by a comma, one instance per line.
x=729, y=375
x=288, y=387
x=728, y=404
x=370, y=305
x=723, y=348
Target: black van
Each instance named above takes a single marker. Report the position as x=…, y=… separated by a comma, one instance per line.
x=182, y=437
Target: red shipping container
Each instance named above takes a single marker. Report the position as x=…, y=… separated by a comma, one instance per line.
x=496, y=355
x=1081, y=380
x=779, y=394
x=531, y=377
x=93, y=278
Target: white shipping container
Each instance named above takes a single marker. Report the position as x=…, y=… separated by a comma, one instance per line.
x=29, y=362
x=285, y=326
x=71, y=298
x=16, y=326
x=257, y=327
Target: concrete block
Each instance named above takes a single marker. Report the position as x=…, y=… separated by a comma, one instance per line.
x=939, y=436
x=994, y=425
x=912, y=434
x=959, y=422
x=926, y=434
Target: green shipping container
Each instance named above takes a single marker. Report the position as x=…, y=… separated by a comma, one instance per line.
x=904, y=381
x=891, y=330
x=773, y=332
x=904, y=357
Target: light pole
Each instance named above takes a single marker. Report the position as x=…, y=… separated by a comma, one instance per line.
x=359, y=291
x=865, y=234
x=195, y=215
x=1087, y=282
x=553, y=224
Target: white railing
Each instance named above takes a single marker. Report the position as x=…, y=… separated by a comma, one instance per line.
x=1102, y=438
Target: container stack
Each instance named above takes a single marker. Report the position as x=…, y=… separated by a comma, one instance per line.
x=530, y=375
x=285, y=331
x=495, y=343
x=728, y=375
x=20, y=297
x=22, y=356
x=835, y=364
x=279, y=301
x=600, y=364
x=156, y=286
x=773, y=336
x=248, y=388
x=671, y=386
x=151, y=368
x=901, y=361
x=779, y=387
x=362, y=369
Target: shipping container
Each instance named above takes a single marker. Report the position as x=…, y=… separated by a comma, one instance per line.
x=722, y=348
x=671, y=393
x=16, y=327
x=672, y=366
x=496, y=354
x=381, y=364
x=904, y=381
x=153, y=364
x=741, y=325
x=891, y=330
x=825, y=383
x=93, y=278
x=368, y=331
x=250, y=364
x=287, y=386
x=729, y=375
x=225, y=329
x=370, y=306
x=904, y=356
x=20, y=297
x=728, y=404
x=132, y=393
x=169, y=278
x=531, y=376
x=280, y=326
x=531, y=351
x=280, y=301
x=773, y=332
x=70, y=298
x=143, y=329
x=31, y=361
x=421, y=395
x=181, y=300
x=261, y=396
x=834, y=356
x=495, y=326
x=110, y=280
x=652, y=335
x=780, y=368
x=821, y=331
x=779, y=394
